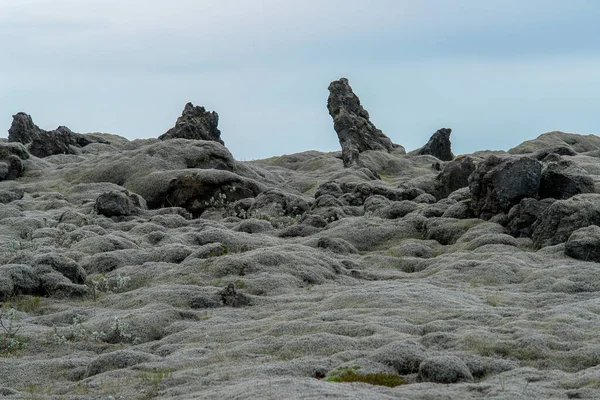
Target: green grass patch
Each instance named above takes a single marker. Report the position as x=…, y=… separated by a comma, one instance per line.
x=347, y=375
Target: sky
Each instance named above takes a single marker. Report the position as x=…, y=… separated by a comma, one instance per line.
x=498, y=72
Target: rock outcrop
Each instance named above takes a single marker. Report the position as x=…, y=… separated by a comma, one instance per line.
x=351, y=122
x=564, y=179
x=195, y=123
x=497, y=184
x=564, y=217
x=584, y=244
x=43, y=143
x=454, y=176
x=439, y=145
x=119, y=204
x=11, y=157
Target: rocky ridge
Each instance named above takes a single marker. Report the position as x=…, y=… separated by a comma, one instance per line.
x=165, y=268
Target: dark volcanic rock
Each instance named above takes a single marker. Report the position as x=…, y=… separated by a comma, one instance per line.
x=351, y=122
x=564, y=217
x=11, y=165
x=43, y=143
x=195, y=123
x=232, y=298
x=584, y=244
x=438, y=146
x=522, y=216
x=115, y=204
x=499, y=183
x=196, y=189
x=563, y=179
x=454, y=176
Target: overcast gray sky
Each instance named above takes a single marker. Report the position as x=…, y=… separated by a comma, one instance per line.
x=497, y=72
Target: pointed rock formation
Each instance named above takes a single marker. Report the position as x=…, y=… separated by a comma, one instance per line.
x=43, y=143
x=438, y=146
x=351, y=122
x=195, y=123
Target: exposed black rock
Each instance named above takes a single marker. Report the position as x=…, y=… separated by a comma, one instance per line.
x=11, y=157
x=195, y=123
x=454, y=176
x=43, y=143
x=197, y=190
x=584, y=244
x=117, y=204
x=439, y=145
x=497, y=184
x=522, y=216
x=564, y=217
x=232, y=298
x=564, y=179
x=351, y=122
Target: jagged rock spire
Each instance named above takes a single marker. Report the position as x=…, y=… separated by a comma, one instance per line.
x=352, y=125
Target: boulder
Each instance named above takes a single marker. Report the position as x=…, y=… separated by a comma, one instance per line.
x=559, y=150
x=43, y=143
x=232, y=298
x=454, y=176
x=11, y=160
x=404, y=357
x=564, y=217
x=439, y=145
x=564, y=179
x=584, y=244
x=497, y=184
x=523, y=215
x=195, y=189
x=195, y=123
x=351, y=122
x=118, y=204
x=277, y=203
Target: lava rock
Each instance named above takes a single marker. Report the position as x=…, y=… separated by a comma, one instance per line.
x=195, y=123
x=439, y=145
x=115, y=204
x=584, y=244
x=522, y=216
x=43, y=143
x=564, y=217
x=454, y=176
x=497, y=184
x=351, y=122
x=11, y=160
x=563, y=179
x=232, y=298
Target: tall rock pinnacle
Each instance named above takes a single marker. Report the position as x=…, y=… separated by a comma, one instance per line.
x=352, y=125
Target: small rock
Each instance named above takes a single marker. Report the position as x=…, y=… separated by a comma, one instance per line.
x=232, y=298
